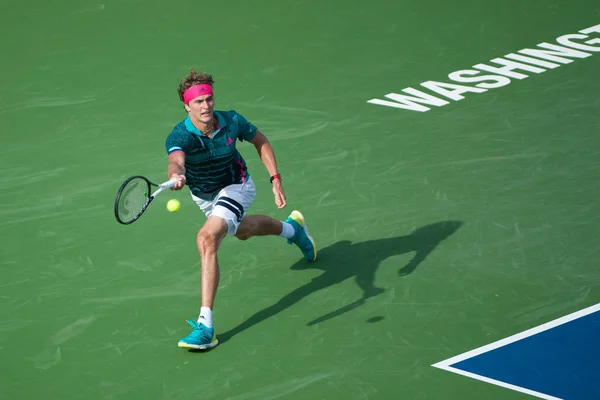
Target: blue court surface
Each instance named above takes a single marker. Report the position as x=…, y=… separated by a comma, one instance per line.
x=557, y=360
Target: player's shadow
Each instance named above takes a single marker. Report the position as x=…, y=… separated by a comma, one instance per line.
x=343, y=260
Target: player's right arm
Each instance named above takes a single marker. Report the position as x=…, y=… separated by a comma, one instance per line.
x=176, y=169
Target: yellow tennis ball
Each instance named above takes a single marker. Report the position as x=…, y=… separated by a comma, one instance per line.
x=173, y=205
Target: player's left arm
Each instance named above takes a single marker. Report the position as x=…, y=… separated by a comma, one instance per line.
x=267, y=156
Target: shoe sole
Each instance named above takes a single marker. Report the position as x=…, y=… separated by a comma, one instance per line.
x=185, y=345
x=299, y=218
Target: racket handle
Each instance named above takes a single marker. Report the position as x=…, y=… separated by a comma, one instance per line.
x=168, y=184
x=163, y=186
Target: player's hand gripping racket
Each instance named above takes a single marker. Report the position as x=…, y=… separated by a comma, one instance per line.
x=134, y=197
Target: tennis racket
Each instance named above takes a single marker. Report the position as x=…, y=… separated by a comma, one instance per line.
x=134, y=197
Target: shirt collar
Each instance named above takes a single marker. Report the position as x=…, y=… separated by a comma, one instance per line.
x=220, y=124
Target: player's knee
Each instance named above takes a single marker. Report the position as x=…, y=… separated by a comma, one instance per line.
x=245, y=230
x=206, y=241
x=243, y=233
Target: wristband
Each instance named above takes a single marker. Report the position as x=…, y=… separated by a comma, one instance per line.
x=276, y=176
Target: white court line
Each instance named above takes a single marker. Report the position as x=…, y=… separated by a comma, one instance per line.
x=499, y=383
x=446, y=364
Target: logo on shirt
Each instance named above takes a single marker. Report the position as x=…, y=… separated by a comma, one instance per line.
x=230, y=141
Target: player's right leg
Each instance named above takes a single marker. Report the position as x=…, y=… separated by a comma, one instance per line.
x=209, y=239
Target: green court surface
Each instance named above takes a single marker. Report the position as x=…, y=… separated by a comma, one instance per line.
x=438, y=231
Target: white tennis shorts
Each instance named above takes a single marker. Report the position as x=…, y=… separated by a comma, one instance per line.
x=231, y=204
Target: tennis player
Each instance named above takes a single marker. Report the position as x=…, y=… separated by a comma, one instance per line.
x=202, y=155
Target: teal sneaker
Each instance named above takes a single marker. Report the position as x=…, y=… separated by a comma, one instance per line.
x=301, y=237
x=201, y=338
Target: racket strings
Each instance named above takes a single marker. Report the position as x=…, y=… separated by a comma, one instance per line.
x=133, y=199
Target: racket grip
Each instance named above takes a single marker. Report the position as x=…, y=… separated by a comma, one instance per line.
x=169, y=184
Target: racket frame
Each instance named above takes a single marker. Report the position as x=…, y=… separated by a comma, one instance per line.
x=149, y=197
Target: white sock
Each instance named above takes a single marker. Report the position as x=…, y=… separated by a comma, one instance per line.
x=205, y=316
x=287, y=231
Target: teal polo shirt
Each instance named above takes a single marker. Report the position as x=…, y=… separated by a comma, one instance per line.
x=212, y=163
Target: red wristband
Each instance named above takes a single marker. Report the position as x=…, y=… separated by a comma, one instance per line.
x=276, y=176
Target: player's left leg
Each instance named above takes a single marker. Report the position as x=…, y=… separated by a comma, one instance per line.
x=235, y=200
x=258, y=225
x=294, y=229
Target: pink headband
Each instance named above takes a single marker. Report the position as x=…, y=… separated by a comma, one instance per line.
x=195, y=91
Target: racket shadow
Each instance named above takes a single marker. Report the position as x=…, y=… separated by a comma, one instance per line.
x=343, y=260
